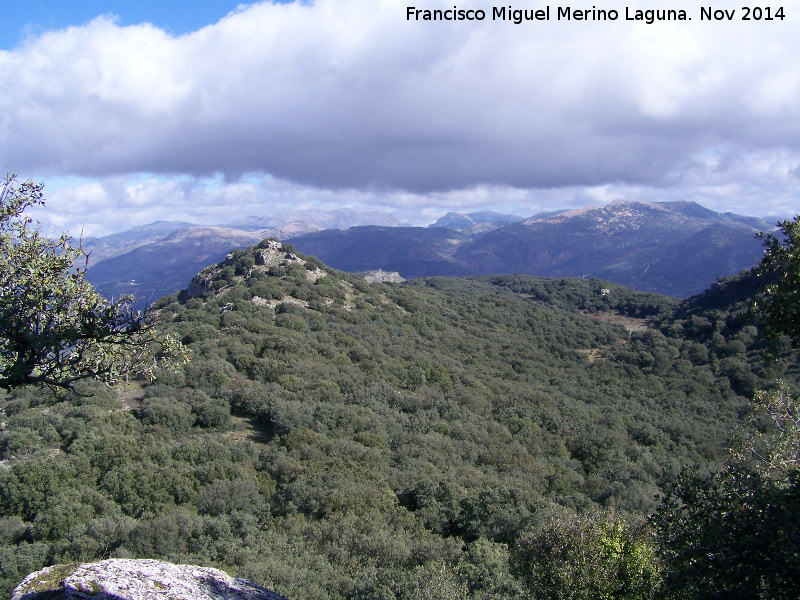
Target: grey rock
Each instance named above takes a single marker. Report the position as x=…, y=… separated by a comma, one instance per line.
x=379, y=275
x=129, y=579
x=197, y=287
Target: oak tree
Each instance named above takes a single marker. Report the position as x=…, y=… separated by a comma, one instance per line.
x=778, y=305
x=55, y=328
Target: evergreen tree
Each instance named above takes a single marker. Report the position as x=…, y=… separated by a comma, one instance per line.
x=778, y=305
x=54, y=326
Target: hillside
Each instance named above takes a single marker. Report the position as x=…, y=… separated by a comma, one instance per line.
x=162, y=266
x=336, y=439
x=115, y=244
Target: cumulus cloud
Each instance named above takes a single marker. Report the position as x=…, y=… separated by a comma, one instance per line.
x=348, y=99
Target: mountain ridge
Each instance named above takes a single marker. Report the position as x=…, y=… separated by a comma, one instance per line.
x=618, y=242
x=675, y=248
x=342, y=218
x=456, y=220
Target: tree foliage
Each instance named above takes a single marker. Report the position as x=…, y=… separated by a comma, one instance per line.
x=778, y=305
x=774, y=446
x=54, y=326
x=594, y=556
x=735, y=533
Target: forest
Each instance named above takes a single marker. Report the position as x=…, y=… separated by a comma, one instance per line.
x=484, y=437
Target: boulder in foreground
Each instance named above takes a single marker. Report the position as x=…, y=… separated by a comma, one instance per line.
x=127, y=579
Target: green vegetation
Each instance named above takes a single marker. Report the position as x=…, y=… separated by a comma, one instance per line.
x=54, y=326
x=779, y=303
x=736, y=532
x=497, y=437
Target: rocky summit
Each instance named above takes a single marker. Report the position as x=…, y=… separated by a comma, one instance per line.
x=127, y=579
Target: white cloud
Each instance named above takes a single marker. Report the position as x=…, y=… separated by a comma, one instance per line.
x=348, y=100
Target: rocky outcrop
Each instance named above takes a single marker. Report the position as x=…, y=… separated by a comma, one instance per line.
x=128, y=579
x=263, y=256
x=198, y=286
x=379, y=275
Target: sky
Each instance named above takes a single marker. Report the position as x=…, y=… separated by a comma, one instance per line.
x=210, y=112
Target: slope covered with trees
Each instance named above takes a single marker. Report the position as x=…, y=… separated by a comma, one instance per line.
x=448, y=438
x=735, y=533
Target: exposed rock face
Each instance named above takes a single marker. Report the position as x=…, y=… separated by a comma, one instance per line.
x=127, y=579
x=263, y=256
x=379, y=275
x=197, y=287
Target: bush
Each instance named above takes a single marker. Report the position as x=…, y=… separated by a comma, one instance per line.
x=212, y=413
x=297, y=271
x=173, y=415
x=575, y=557
x=290, y=322
x=224, y=497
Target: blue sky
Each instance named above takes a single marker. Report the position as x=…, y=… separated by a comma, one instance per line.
x=212, y=111
x=25, y=19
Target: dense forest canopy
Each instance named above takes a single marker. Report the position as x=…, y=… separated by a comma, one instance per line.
x=502, y=437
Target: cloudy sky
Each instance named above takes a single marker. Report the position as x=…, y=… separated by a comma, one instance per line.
x=133, y=112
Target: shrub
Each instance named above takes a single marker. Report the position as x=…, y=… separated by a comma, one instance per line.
x=224, y=497
x=169, y=413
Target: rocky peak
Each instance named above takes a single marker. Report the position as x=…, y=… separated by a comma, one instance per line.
x=268, y=254
x=128, y=579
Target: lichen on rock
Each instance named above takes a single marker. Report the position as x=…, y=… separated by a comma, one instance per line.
x=129, y=579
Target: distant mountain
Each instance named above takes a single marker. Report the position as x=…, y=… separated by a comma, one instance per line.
x=411, y=251
x=281, y=226
x=288, y=230
x=115, y=244
x=343, y=218
x=673, y=248
x=454, y=220
x=153, y=260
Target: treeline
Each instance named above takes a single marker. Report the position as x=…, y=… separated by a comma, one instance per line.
x=486, y=437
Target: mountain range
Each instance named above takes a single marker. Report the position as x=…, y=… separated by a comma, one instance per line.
x=454, y=220
x=672, y=248
x=151, y=261
x=323, y=219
